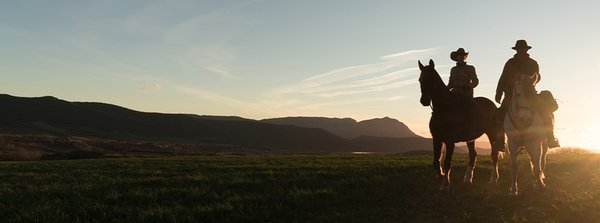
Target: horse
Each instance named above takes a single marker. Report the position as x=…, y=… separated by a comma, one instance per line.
x=449, y=125
x=525, y=129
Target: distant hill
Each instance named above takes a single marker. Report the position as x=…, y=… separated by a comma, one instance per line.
x=350, y=128
x=50, y=115
x=50, y=125
x=223, y=118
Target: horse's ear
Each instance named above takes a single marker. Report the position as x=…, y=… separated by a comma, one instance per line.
x=431, y=63
x=421, y=65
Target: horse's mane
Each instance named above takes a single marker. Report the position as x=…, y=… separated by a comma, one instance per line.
x=437, y=79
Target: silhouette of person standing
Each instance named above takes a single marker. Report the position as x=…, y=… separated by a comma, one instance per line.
x=521, y=63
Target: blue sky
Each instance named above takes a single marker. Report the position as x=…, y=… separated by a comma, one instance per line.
x=261, y=59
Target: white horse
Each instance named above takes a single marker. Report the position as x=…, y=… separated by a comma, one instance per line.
x=525, y=130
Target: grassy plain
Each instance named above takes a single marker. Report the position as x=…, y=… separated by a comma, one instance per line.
x=291, y=188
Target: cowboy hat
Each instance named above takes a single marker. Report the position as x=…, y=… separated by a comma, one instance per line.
x=457, y=53
x=521, y=44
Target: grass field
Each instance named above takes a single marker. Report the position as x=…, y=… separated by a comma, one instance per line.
x=303, y=188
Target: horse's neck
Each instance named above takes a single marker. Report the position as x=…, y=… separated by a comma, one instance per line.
x=525, y=98
x=441, y=98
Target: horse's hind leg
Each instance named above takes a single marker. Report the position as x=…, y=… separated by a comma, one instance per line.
x=472, y=159
x=494, y=175
x=447, y=166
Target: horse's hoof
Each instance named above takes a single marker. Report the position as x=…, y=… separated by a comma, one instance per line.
x=440, y=176
x=540, y=187
x=444, y=189
x=445, y=186
x=513, y=192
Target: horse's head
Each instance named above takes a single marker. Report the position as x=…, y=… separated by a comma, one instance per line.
x=524, y=87
x=522, y=96
x=427, y=82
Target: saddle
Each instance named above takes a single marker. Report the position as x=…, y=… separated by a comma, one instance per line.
x=542, y=103
x=460, y=114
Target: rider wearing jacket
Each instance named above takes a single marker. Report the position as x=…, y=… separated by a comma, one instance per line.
x=522, y=64
x=463, y=78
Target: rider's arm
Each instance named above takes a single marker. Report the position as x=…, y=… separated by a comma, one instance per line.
x=501, y=83
x=537, y=71
x=451, y=80
x=473, y=77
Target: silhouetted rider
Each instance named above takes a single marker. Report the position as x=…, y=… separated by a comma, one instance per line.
x=522, y=64
x=463, y=78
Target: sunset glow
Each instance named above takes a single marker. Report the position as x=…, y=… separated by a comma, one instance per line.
x=583, y=135
x=264, y=59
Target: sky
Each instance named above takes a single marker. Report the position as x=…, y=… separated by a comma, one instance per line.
x=266, y=58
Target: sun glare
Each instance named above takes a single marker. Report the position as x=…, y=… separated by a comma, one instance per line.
x=584, y=136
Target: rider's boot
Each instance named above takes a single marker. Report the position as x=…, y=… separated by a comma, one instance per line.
x=551, y=140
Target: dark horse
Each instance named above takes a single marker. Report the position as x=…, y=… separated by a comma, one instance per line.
x=450, y=124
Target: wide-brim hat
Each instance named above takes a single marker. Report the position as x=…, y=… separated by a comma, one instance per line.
x=521, y=44
x=460, y=52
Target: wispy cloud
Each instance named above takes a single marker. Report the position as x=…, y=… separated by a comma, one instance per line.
x=390, y=72
x=219, y=69
x=252, y=109
x=197, y=40
x=351, y=102
x=376, y=88
x=340, y=92
x=211, y=96
x=204, y=40
x=345, y=88
x=153, y=87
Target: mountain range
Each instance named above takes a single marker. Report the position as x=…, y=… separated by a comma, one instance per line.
x=350, y=128
x=92, y=126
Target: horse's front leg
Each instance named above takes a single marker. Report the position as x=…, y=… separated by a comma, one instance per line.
x=514, y=167
x=543, y=158
x=468, y=179
x=437, y=157
x=447, y=166
x=535, y=151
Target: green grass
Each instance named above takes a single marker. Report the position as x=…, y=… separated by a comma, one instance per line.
x=311, y=188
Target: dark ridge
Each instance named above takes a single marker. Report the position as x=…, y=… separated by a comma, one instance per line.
x=51, y=128
x=350, y=128
x=57, y=117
